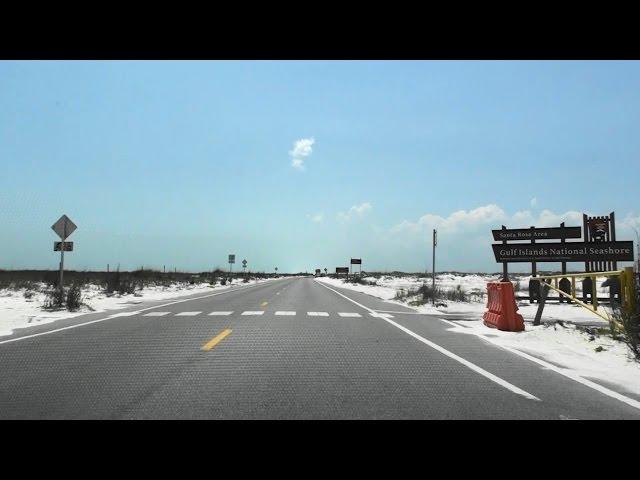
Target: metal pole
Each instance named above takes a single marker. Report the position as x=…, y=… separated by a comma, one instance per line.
x=542, y=298
x=637, y=248
x=534, y=269
x=505, y=272
x=562, y=240
x=62, y=259
x=611, y=236
x=433, y=265
x=62, y=267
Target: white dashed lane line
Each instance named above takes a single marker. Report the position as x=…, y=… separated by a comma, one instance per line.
x=289, y=313
x=381, y=315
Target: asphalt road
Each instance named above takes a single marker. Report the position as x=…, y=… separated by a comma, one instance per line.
x=285, y=349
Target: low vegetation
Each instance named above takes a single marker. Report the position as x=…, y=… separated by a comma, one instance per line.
x=631, y=323
x=36, y=284
x=359, y=280
x=74, y=297
x=427, y=294
x=54, y=299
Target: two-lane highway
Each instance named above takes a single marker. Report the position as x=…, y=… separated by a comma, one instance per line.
x=286, y=349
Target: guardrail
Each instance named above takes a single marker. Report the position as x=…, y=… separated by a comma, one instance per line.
x=627, y=291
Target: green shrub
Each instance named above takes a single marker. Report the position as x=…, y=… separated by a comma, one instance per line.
x=456, y=295
x=477, y=295
x=74, y=297
x=359, y=280
x=119, y=283
x=631, y=335
x=128, y=286
x=429, y=294
x=54, y=299
x=401, y=294
x=113, y=282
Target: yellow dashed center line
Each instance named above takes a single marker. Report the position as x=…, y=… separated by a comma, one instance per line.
x=264, y=304
x=215, y=340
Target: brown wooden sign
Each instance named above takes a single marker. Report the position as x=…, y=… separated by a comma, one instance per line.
x=342, y=269
x=564, y=252
x=553, y=233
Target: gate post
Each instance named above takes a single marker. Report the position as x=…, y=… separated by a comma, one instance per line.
x=629, y=292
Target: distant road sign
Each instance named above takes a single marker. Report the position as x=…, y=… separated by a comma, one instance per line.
x=565, y=252
x=244, y=262
x=64, y=227
x=356, y=261
x=317, y=271
x=342, y=269
x=553, y=233
x=232, y=258
x=68, y=246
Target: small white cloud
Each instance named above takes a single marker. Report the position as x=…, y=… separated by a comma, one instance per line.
x=297, y=163
x=486, y=217
x=317, y=218
x=461, y=220
x=534, y=201
x=302, y=149
x=355, y=211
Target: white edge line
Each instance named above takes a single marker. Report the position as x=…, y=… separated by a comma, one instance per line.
x=462, y=324
x=567, y=373
x=123, y=314
x=444, y=351
x=449, y=322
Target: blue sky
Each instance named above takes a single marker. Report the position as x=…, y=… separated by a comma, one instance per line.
x=304, y=164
